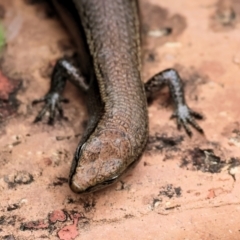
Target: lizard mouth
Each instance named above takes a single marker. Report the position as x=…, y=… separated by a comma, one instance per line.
x=102, y=185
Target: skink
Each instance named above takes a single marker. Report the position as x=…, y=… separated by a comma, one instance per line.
x=106, y=33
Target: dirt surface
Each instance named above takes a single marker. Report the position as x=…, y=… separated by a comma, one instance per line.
x=183, y=188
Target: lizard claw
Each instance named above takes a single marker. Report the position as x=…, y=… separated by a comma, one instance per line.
x=185, y=116
x=53, y=102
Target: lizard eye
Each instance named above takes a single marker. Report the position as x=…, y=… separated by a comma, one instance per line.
x=79, y=150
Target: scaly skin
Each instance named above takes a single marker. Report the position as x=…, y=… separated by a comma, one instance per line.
x=112, y=32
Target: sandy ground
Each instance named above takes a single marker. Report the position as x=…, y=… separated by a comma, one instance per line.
x=183, y=188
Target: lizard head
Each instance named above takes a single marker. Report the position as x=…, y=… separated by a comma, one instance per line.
x=100, y=161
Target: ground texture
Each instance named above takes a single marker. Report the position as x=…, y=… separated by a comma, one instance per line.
x=183, y=188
